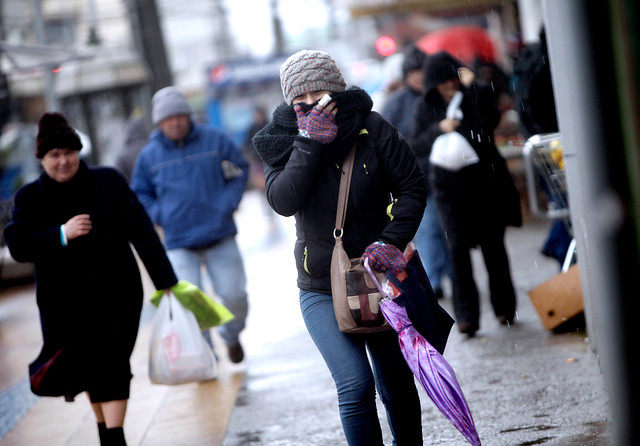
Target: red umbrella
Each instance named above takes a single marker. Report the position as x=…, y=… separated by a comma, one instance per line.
x=465, y=43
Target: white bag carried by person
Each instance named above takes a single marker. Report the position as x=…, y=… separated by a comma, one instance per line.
x=178, y=353
x=452, y=151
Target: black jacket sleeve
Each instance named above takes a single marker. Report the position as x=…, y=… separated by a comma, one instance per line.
x=426, y=128
x=406, y=184
x=26, y=242
x=141, y=233
x=288, y=187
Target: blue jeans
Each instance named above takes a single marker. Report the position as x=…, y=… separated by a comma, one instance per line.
x=431, y=245
x=224, y=264
x=356, y=379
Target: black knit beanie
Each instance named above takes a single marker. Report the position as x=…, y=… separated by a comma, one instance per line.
x=54, y=132
x=414, y=59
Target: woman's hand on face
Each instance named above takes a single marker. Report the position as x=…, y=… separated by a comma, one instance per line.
x=319, y=124
x=78, y=226
x=449, y=125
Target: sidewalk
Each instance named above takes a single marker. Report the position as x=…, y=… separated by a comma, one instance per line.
x=190, y=414
x=524, y=385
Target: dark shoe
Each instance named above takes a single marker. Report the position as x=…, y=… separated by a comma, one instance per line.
x=236, y=354
x=467, y=328
x=505, y=320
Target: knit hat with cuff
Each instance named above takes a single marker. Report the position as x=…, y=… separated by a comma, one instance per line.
x=310, y=70
x=167, y=102
x=54, y=132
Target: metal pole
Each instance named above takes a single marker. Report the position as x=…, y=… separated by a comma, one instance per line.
x=278, y=37
x=93, y=38
x=50, y=98
x=150, y=35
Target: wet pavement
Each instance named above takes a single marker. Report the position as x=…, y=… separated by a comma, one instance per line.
x=524, y=385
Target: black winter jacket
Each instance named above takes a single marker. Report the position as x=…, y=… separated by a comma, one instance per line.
x=386, y=199
x=493, y=195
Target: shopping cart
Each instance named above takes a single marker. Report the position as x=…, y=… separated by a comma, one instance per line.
x=547, y=183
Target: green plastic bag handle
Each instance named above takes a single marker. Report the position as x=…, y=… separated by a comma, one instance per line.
x=208, y=312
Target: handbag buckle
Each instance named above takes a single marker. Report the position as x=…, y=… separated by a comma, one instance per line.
x=337, y=233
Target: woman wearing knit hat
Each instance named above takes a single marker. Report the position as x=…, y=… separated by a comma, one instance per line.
x=75, y=224
x=303, y=148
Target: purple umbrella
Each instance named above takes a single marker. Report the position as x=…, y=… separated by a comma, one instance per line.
x=434, y=373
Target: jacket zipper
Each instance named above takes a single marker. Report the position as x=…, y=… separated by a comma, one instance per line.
x=304, y=261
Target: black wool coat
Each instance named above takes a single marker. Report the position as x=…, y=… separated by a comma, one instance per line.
x=479, y=197
x=89, y=293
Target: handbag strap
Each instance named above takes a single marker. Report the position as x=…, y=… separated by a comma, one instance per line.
x=343, y=193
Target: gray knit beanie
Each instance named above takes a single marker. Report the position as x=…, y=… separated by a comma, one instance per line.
x=169, y=101
x=310, y=70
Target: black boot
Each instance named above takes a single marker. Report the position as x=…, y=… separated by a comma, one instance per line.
x=102, y=433
x=115, y=437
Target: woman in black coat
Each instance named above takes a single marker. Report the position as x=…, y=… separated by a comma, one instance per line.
x=75, y=224
x=475, y=203
x=303, y=149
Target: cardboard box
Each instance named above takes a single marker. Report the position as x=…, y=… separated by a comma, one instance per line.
x=559, y=299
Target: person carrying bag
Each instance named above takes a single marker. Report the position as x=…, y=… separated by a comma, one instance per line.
x=304, y=149
x=77, y=224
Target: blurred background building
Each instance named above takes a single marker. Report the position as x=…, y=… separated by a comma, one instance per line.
x=98, y=60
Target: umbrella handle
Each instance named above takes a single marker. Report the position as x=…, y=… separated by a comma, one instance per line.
x=375, y=279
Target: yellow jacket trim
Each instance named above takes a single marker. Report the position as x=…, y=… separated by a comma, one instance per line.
x=390, y=209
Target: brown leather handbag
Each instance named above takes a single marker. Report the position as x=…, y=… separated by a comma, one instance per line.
x=356, y=299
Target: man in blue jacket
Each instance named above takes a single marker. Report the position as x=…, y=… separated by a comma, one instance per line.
x=190, y=178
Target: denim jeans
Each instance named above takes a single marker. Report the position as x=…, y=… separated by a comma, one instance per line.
x=224, y=264
x=356, y=378
x=431, y=245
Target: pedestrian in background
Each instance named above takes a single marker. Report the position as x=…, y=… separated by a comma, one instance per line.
x=75, y=224
x=303, y=148
x=477, y=202
x=256, y=167
x=400, y=110
x=400, y=106
x=256, y=170
x=190, y=178
x=136, y=136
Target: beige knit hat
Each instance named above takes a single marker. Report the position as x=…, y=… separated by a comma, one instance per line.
x=310, y=70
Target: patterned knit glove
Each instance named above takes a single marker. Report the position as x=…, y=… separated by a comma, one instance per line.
x=384, y=257
x=319, y=125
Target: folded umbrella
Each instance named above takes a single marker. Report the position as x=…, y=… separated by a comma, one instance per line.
x=430, y=368
x=412, y=290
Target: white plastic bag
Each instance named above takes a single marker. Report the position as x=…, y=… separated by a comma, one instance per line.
x=178, y=353
x=452, y=151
